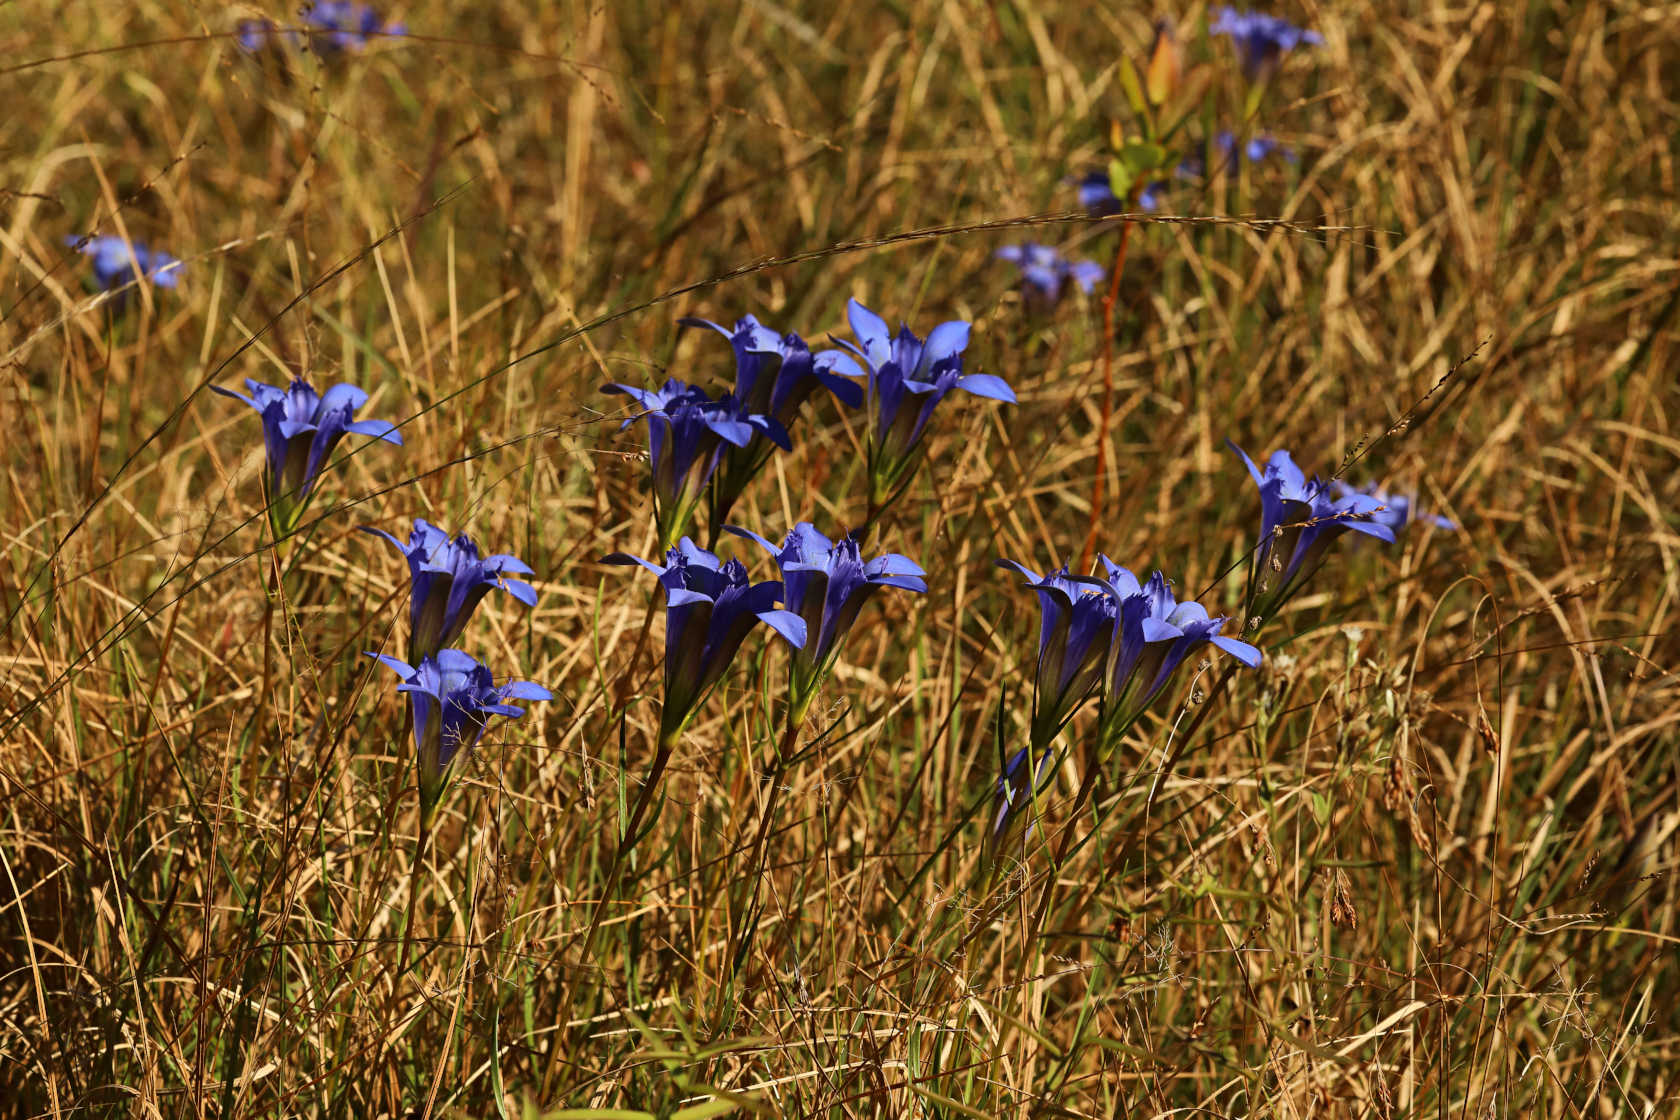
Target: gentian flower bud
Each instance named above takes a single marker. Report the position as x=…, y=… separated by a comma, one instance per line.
x=447, y=580
x=1015, y=791
x=452, y=698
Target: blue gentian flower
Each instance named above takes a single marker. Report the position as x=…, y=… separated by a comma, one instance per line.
x=1096, y=194
x=118, y=263
x=452, y=698
x=827, y=583
x=447, y=580
x=300, y=429
x=907, y=377
x=1075, y=630
x=710, y=606
x=1044, y=270
x=255, y=35
x=338, y=26
x=775, y=374
x=1397, y=509
x=335, y=27
x=1015, y=793
x=687, y=435
x=1299, y=519
x=1261, y=40
x=1256, y=149
x=1153, y=635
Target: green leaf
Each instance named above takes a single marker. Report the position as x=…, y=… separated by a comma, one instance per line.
x=1120, y=179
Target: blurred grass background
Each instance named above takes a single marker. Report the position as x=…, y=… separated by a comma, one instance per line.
x=1419, y=864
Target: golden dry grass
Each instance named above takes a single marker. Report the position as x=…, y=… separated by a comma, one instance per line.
x=1419, y=864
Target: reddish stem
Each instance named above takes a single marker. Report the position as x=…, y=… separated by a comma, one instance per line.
x=1099, y=488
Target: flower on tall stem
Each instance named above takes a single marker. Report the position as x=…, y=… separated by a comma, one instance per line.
x=1153, y=635
x=1076, y=625
x=1261, y=40
x=447, y=580
x=1299, y=520
x=300, y=430
x=1044, y=270
x=827, y=583
x=775, y=375
x=710, y=607
x=452, y=698
x=688, y=433
x=906, y=377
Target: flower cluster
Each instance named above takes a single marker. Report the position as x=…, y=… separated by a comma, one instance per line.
x=332, y=27
x=700, y=446
x=1044, y=270
x=687, y=435
x=300, y=430
x=451, y=695
x=118, y=263
x=1107, y=636
x=775, y=375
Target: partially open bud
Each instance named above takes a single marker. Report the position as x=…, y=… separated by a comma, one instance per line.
x=1165, y=72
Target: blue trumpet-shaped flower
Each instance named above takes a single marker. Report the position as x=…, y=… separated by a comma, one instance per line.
x=1299, y=519
x=447, y=580
x=452, y=698
x=710, y=607
x=118, y=263
x=775, y=374
x=1044, y=270
x=300, y=428
x=1397, y=509
x=1153, y=635
x=906, y=378
x=1075, y=629
x=1261, y=40
x=687, y=435
x=827, y=583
